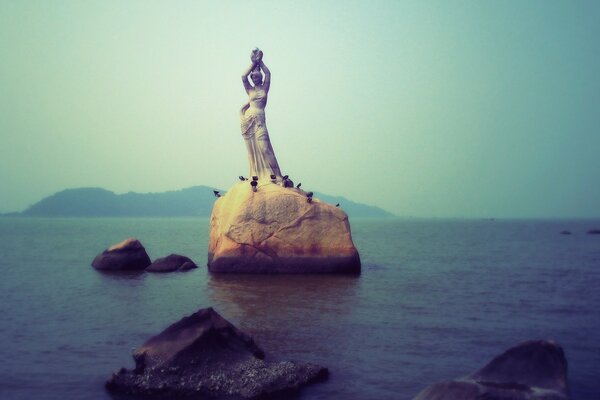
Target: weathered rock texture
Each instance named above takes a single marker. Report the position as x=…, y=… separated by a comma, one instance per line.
x=276, y=230
x=204, y=355
x=127, y=255
x=170, y=263
x=533, y=370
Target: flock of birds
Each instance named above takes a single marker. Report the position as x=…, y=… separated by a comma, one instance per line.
x=286, y=183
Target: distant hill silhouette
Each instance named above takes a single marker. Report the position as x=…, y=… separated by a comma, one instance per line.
x=196, y=201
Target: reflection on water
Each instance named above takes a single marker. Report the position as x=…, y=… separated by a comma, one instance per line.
x=131, y=276
x=283, y=311
x=247, y=296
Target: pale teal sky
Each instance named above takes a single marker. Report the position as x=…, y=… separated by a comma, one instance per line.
x=433, y=109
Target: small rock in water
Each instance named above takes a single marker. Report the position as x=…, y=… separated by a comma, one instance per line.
x=594, y=232
x=125, y=256
x=203, y=354
x=173, y=262
x=565, y=232
x=533, y=370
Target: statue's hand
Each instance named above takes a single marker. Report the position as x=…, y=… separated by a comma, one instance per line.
x=256, y=55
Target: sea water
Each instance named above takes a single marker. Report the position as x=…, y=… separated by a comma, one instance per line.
x=437, y=299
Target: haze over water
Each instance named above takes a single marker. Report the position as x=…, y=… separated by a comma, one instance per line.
x=436, y=300
x=429, y=109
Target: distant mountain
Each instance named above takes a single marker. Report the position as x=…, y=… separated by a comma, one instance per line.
x=353, y=209
x=96, y=202
x=196, y=201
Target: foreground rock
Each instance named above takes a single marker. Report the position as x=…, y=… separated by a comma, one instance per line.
x=534, y=370
x=170, y=263
x=279, y=230
x=205, y=355
x=125, y=256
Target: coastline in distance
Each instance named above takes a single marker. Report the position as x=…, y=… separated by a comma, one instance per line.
x=196, y=201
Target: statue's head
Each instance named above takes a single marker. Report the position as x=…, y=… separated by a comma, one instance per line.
x=256, y=77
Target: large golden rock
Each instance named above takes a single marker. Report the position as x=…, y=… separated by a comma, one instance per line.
x=277, y=230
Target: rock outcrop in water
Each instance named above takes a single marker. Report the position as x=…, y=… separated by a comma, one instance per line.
x=279, y=230
x=534, y=370
x=205, y=355
x=170, y=263
x=125, y=256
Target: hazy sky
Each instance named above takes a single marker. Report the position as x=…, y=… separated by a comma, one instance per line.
x=450, y=108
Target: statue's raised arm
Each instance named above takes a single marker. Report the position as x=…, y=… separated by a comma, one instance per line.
x=267, y=83
x=257, y=65
x=247, y=72
x=261, y=156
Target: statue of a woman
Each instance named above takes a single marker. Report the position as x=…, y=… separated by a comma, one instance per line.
x=253, y=123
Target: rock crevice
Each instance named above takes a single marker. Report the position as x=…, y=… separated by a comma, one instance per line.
x=276, y=230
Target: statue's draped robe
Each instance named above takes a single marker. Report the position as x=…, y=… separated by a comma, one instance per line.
x=254, y=131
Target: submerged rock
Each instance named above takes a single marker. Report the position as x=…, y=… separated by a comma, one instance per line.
x=170, y=263
x=533, y=370
x=205, y=355
x=565, y=232
x=594, y=232
x=277, y=230
x=127, y=255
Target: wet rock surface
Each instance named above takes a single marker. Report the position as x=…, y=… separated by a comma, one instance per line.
x=278, y=229
x=128, y=255
x=171, y=263
x=533, y=370
x=203, y=355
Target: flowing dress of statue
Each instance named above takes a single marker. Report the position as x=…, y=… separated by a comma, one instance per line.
x=253, y=123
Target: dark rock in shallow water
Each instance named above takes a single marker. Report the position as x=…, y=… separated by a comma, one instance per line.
x=173, y=262
x=565, y=232
x=125, y=256
x=533, y=370
x=204, y=355
x=594, y=232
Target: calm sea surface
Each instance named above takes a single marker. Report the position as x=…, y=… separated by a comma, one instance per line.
x=437, y=299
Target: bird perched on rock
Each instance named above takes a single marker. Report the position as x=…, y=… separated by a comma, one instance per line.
x=298, y=185
x=255, y=178
x=254, y=184
x=309, y=197
x=242, y=178
x=287, y=182
x=217, y=194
